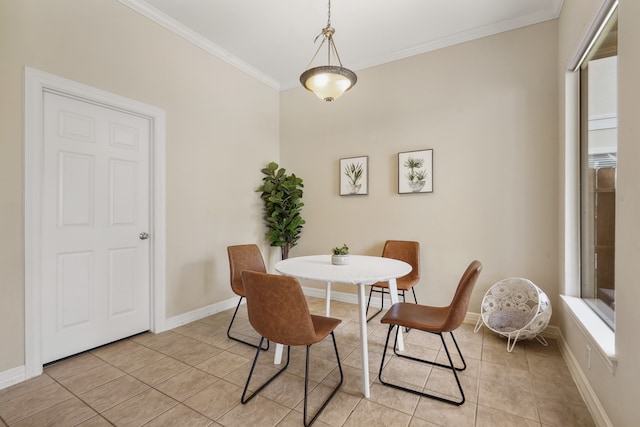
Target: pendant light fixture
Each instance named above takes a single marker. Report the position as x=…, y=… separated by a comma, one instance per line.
x=328, y=82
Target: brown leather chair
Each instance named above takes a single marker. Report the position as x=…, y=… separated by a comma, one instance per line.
x=408, y=252
x=243, y=257
x=436, y=320
x=278, y=311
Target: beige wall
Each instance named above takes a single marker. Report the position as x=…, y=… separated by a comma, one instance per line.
x=488, y=108
x=222, y=128
x=616, y=392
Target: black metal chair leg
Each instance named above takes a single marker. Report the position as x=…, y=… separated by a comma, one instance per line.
x=404, y=299
x=238, y=339
x=369, y=300
x=450, y=366
x=371, y=290
x=430, y=362
x=245, y=399
x=306, y=385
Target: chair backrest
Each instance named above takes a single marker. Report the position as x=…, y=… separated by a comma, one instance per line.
x=277, y=308
x=243, y=257
x=460, y=303
x=406, y=251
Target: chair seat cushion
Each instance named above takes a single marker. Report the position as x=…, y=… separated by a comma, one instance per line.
x=403, y=285
x=416, y=316
x=509, y=320
x=323, y=326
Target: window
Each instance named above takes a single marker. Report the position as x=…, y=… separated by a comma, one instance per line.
x=598, y=163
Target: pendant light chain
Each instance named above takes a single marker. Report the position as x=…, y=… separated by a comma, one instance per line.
x=330, y=33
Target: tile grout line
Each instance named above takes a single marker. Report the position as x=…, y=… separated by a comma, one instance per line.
x=488, y=354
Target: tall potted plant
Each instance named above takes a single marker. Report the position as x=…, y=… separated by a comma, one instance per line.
x=282, y=197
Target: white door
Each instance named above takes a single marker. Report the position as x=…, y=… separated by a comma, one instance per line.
x=95, y=254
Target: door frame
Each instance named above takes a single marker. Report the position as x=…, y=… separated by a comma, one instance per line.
x=37, y=82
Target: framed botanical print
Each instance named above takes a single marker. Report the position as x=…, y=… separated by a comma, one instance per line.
x=354, y=176
x=415, y=172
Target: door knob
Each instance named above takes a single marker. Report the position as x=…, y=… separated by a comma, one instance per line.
x=144, y=236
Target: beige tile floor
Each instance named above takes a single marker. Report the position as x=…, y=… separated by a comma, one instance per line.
x=193, y=376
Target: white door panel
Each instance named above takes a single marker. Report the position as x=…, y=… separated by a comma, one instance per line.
x=96, y=283
x=123, y=192
x=74, y=289
x=122, y=281
x=75, y=189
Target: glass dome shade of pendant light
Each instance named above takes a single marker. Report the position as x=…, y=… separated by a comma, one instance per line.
x=328, y=82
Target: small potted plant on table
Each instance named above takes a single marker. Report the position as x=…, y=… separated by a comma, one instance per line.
x=340, y=255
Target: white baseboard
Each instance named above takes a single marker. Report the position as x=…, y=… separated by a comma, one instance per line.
x=342, y=296
x=598, y=413
x=588, y=394
x=551, y=332
x=12, y=376
x=18, y=374
x=192, y=316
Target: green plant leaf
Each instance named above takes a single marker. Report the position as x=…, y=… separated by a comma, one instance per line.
x=281, y=194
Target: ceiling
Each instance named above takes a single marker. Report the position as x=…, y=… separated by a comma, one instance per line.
x=273, y=40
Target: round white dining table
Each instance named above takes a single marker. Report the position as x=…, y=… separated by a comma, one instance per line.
x=361, y=271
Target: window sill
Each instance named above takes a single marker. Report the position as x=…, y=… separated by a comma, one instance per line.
x=594, y=328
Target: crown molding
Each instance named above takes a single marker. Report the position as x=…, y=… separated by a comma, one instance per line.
x=465, y=36
x=181, y=30
x=458, y=38
x=191, y=36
